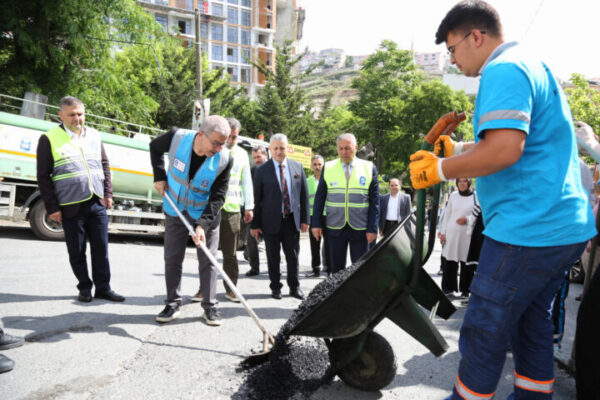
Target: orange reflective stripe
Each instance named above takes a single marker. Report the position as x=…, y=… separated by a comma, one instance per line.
x=468, y=394
x=532, y=385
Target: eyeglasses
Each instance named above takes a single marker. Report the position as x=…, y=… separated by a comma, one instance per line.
x=215, y=144
x=452, y=48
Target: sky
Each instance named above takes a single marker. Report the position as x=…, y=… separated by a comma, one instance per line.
x=563, y=34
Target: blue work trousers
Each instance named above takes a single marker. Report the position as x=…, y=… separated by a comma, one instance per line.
x=511, y=302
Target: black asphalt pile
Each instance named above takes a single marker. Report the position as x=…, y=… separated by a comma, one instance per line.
x=297, y=366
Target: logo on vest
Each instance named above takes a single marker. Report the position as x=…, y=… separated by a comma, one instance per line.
x=363, y=181
x=236, y=168
x=204, y=183
x=179, y=165
x=334, y=183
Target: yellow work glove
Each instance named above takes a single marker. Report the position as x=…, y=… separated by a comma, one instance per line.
x=451, y=148
x=425, y=169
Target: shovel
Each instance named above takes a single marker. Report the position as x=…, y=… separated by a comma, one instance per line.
x=268, y=339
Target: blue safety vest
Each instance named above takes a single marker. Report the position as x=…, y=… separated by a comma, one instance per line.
x=191, y=195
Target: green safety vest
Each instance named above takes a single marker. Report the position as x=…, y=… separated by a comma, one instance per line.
x=234, y=196
x=348, y=202
x=78, y=173
x=312, y=184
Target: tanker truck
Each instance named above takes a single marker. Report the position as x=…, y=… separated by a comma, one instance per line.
x=137, y=206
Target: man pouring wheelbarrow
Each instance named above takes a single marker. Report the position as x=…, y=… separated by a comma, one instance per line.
x=537, y=219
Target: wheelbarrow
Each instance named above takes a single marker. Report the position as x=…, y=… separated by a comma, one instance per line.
x=387, y=282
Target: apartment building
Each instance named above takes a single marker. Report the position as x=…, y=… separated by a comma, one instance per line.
x=232, y=32
x=432, y=62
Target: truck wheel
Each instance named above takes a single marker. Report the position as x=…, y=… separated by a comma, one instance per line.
x=43, y=227
x=374, y=368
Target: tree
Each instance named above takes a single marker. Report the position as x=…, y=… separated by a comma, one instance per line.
x=584, y=101
x=50, y=46
x=283, y=106
x=385, y=81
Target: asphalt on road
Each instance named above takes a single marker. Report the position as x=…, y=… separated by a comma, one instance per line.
x=104, y=350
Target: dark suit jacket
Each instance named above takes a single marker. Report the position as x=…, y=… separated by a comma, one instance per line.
x=404, y=208
x=45, y=168
x=268, y=198
x=321, y=196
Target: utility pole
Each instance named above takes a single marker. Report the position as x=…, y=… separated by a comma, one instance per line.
x=199, y=111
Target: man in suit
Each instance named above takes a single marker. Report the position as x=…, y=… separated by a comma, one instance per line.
x=395, y=206
x=349, y=192
x=73, y=175
x=280, y=213
x=259, y=155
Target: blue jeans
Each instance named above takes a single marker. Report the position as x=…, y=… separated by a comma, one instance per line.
x=511, y=302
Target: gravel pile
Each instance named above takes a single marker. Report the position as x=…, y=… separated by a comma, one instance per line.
x=297, y=366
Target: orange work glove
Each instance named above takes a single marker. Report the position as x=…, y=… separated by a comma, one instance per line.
x=425, y=169
x=451, y=148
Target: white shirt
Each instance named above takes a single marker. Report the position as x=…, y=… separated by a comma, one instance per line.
x=392, y=208
x=75, y=137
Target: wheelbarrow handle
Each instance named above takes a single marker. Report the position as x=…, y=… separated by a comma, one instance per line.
x=215, y=265
x=444, y=126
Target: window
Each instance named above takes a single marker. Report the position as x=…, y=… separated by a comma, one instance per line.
x=246, y=58
x=162, y=20
x=216, y=32
x=232, y=34
x=217, y=52
x=184, y=26
x=245, y=20
x=245, y=37
x=232, y=15
x=204, y=30
x=232, y=71
x=232, y=54
x=185, y=4
x=215, y=66
x=232, y=1
x=217, y=9
x=247, y=3
x=245, y=75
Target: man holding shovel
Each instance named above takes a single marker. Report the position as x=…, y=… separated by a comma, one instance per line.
x=196, y=181
x=536, y=215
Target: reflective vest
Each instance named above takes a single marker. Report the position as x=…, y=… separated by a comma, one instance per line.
x=348, y=202
x=190, y=195
x=233, y=199
x=312, y=184
x=78, y=173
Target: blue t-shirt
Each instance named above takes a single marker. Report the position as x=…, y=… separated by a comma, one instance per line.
x=539, y=201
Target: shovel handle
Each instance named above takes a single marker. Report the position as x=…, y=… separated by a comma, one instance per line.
x=215, y=265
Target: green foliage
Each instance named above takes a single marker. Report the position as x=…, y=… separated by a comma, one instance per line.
x=282, y=103
x=49, y=47
x=397, y=106
x=584, y=102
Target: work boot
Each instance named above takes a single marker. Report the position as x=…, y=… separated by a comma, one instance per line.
x=6, y=364
x=197, y=298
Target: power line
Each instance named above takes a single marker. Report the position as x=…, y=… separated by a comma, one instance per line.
x=532, y=19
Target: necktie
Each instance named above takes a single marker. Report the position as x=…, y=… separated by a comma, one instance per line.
x=284, y=191
x=347, y=172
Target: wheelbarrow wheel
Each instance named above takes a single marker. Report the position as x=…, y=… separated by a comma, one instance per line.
x=374, y=368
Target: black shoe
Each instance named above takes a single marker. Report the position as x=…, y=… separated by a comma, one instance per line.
x=6, y=364
x=252, y=272
x=9, y=342
x=168, y=314
x=276, y=294
x=314, y=274
x=109, y=295
x=212, y=317
x=297, y=293
x=85, y=296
